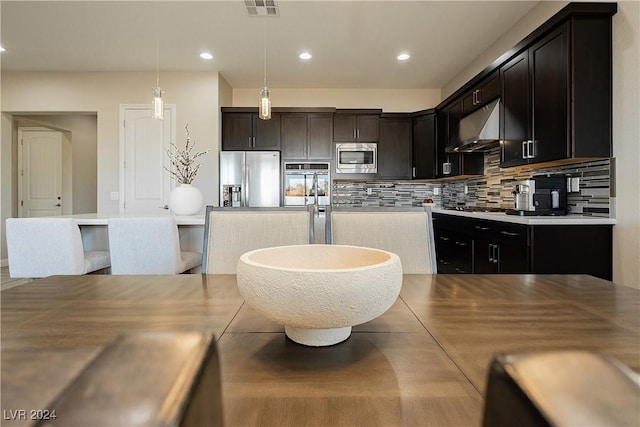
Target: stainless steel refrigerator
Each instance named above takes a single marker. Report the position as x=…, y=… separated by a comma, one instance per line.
x=249, y=178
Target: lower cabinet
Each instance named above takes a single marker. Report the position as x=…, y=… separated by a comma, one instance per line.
x=478, y=246
x=454, y=252
x=500, y=248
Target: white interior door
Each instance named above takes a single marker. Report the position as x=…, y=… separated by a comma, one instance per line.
x=40, y=180
x=146, y=183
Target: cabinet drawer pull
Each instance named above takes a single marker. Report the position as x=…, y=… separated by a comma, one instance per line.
x=462, y=244
x=446, y=239
x=481, y=228
x=508, y=233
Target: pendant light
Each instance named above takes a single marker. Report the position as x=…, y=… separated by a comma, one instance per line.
x=265, y=102
x=157, y=106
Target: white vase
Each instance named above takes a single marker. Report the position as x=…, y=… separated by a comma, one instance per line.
x=185, y=199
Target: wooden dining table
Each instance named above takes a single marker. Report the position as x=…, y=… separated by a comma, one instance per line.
x=423, y=362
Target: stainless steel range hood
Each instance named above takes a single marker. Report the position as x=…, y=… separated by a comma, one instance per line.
x=480, y=130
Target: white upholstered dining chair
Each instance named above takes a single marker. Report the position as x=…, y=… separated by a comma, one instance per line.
x=148, y=246
x=230, y=232
x=407, y=232
x=41, y=247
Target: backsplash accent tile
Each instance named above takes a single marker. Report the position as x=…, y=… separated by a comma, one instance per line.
x=384, y=193
x=494, y=189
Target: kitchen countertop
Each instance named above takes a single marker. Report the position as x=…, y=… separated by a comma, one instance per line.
x=198, y=219
x=530, y=220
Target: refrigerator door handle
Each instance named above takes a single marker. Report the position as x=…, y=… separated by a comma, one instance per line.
x=246, y=187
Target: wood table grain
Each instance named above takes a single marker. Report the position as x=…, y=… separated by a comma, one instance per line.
x=422, y=363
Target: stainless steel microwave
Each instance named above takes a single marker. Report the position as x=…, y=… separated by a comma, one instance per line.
x=357, y=157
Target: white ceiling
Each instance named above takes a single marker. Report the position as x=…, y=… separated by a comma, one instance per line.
x=354, y=43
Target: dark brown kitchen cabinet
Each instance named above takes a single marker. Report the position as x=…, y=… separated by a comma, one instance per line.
x=454, y=251
x=424, y=146
x=481, y=246
x=468, y=245
x=306, y=136
x=394, y=148
x=453, y=164
x=556, y=95
x=349, y=127
x=500, y=247
x=245, y=131
x=483, y=93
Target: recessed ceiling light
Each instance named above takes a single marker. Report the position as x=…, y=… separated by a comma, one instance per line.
x=305, y=55
x=403, y=57
x=206, y=55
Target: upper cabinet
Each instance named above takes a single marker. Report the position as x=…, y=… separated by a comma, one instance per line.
x=482, y=94
x=556, y=95
x=394, y=148
x=245, y=131
x=356, y=127
x=307, y=136
x=535, y=103
x=554, y=89
x=424, y=146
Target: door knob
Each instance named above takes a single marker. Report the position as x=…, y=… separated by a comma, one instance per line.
x=57, y=205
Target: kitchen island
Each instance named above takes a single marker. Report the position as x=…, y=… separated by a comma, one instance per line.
x=93, y=227
x=423, y=362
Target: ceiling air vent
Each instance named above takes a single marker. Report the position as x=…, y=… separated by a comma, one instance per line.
x=262, y=7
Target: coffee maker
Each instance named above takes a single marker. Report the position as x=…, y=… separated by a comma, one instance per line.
x=540, y=195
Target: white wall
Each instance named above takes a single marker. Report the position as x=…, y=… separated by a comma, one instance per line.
x=626, y=142
x=390, y=100
x=626, y=116
x=194, y=94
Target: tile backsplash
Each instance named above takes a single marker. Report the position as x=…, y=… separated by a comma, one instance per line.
x=493, y=189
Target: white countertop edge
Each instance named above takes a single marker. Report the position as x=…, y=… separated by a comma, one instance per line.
x=531, y=220
x=102, y=219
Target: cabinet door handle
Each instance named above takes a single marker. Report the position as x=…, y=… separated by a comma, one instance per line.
x=508, y=233
x=478, y=96
x=446, y=168
x=496, y=254
x=357, y=133
x=531, y=152
x=250, y=142
x=413, y=173
x=524, y=149
x=491, y=253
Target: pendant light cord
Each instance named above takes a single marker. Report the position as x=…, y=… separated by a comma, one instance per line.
x=157, y=47
x=265, y=53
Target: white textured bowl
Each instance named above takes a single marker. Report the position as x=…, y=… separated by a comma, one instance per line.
x=318, y=292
